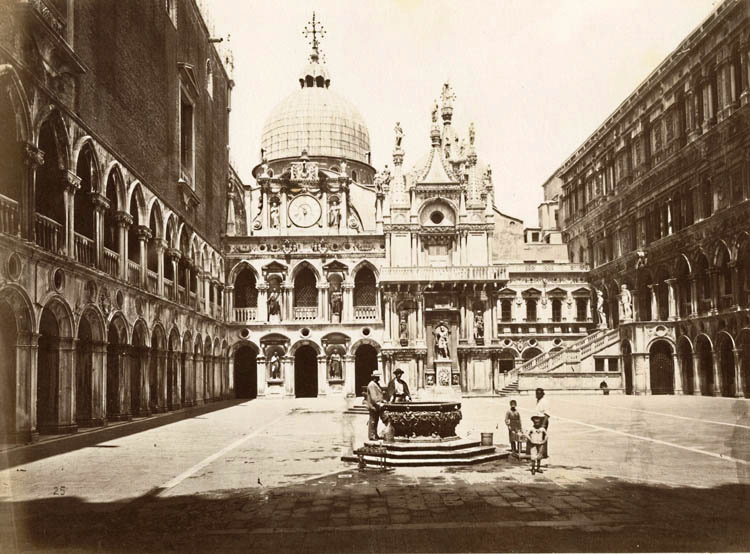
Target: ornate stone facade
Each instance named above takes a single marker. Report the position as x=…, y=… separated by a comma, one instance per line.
x=657, y=201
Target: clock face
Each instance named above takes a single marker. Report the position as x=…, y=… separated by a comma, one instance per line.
x=304, y=211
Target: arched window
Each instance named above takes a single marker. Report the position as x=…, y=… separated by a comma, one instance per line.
x=50, y=205
x=133, y=247
x=209, y=78
x=305, y=295
x=245, y=291
x=365, y=294
x=83, y=221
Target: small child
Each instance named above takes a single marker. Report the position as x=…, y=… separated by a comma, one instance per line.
x=515, y=429
x=537, y=439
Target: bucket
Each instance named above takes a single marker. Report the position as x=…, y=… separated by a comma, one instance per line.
x=486, y=439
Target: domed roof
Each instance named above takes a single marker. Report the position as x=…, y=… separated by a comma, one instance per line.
x=316, y=119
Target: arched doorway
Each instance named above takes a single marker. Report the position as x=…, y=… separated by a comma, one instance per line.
x=705, y=365
x=117, y=408
x=726, y=364
x=627, y=366
x=685, y=353
x=48, y=367
x=306, y=372
x=138, y=372
x=8, y=339
x=661, y=368
x=245, y=373
x=365, y=362
x=530, y=353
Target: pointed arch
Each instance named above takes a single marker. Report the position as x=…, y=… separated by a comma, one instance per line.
x=141, y=335
x=158, y=337
x=366, y=264
x=304, y=264
x=156, y=219
x=118, y=331
x=135, y=195
x=51, y=116
x=19, y=102
x=96, y=323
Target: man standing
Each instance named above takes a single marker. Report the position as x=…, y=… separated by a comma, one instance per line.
x=398, y=390
x=374, y=403
x=542, y=409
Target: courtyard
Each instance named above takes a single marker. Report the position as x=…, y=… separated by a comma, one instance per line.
x=625, y=473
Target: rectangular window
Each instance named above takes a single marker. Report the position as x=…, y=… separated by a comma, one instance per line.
x=707, y=199
x=556, y=310
x=599, y=364
x=581, y=309
x=505, y=309
x=530, y=309
x=612, y=364
x=187, y=140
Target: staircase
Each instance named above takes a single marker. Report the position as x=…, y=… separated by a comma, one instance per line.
x=510, y=389
x=416, y=453
x=571, y=356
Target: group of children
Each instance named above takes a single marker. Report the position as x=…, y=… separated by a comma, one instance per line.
x=536, y=437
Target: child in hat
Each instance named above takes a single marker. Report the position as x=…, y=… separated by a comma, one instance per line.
x=537, y=439
x=515, y=429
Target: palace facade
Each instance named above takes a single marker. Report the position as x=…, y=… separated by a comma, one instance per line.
x=656, y=202
x=113, y=161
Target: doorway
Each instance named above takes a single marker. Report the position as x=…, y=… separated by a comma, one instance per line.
x=245, y=373
x=305, y=372
x=365, y=362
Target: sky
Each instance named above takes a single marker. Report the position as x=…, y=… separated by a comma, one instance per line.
x=536, y=77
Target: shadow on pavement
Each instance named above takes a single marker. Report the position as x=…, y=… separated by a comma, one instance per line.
x=379, y=512
x=24, y=454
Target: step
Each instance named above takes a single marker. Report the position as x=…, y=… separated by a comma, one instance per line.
x=410, y=445
x=417, y=454
x=415, y=462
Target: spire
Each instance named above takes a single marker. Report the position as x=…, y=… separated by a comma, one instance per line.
x=447, y=96
x=315, y=74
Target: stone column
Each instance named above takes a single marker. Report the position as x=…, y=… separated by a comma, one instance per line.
x=33, y=158
x=98, y=383
x=349, y=377
x=72, y=183
x=420, y=371
x=101, y=205
x=487, y=322
x=141, y=358
x=745, y=72
x=174, y=258
x=323, y=302
x=654, y=303
x=739, y=385
x=387, y=249
x=344, y=208
x=672, y=299
x=27, y=350
x=716, y=358
x=322, y=376
x=677, y=367
x=387, y=317
x=124, y=221
x=283, y=228
x=493, y=319
x=287, y=312
x=287, y=373
x=469, y=300
x=191, y=380
x=713, y=274
x=462, y=315
x=696, y=374
x=694, y=296
x=144, y=234
x=160, y=245
x=420, y=316
x=347, y=314
x=735, y=273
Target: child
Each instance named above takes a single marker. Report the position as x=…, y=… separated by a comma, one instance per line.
x=513, y=423
x=537, y=439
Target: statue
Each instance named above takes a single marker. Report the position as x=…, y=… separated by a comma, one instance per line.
x=334, y=215
x=399, y=134
x=274, y=216
x=336, y=302
x=472, y=134
x=447, y=95
x=435, y=112
x=274, y=308
x=600, y=309
x=403, y=325
x=275, y=366
x=478, y=326
x=334, y=366
x=442, y=350
x=626, y=304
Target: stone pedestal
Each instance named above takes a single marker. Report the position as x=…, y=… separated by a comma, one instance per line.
x=275, y=388
x=443, y=377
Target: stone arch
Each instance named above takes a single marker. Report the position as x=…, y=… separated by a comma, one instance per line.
x=365, y=352
x=22, y=109
x=662, y=293
x=661, y=366
x=114, y=172
x=447, y=208
x=364, y=340
x=59, y=307
x=135, y=192
x=705, y=355
x=507, y=359
x=684, y=298
x=531, y=352
x=305, y=264
x=722, y=259
x=19, y=303
x=743, y=341
x=141, y=336
x=51, y=115
x=701, y=269
x=305, y=342
x=156, y=219
x=365, y=264
x=87, y=141
x=95, y=320
x=725, y=348
x=241, y=266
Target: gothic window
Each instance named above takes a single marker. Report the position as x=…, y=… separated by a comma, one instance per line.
x=245, y=292
x=305, y=289
x=86, y=170
x=110, y=228
x=364, y=288
x=187, y=138
x=133, y=246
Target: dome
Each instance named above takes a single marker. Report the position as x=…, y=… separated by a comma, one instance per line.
x=316, y=119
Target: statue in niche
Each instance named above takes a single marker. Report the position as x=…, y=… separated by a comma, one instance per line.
x=441, y=333
x=274, y=216
x=275, y=366
x=336, y=299
x=334, y=214
x=626, y=304
x=478, y=326
x=403, y=325
x=600, y=309
x=399, y=134
x=274, y=308
x=334, y=366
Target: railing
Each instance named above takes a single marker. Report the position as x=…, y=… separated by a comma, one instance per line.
x=111, y=262
x=8, y=215
x=596, y=341
x=242, y=315
x=134, y=273
x=447, y=273
x=153, y=281
x=365, y=312
x=726, y=301
x=305, y=314
x=704, y=305
x=48, y=233
x=84, y=250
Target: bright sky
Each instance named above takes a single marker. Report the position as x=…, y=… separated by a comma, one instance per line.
x=536, y=76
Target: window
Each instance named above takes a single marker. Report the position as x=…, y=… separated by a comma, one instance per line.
x=556, y=310
x=505, y=310
x=530, y=309
x=608, y=364
x=209, y=78
x=581, y=305
x=187, y=140
x=599, y=364
x=707, y=198
x=171, y=7
x=612, y=364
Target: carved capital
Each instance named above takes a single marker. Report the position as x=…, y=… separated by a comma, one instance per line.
x=33, y=156
x=99, y=201
x=143, y=232
x=174, y=253
x=71, y=181
x=123, y=219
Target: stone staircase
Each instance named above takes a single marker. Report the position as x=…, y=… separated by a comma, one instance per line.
x=413, y=453
x=570, y=356
x=510, y=389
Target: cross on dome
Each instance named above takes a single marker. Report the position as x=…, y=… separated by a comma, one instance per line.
x=315, y=74
x=315, y=29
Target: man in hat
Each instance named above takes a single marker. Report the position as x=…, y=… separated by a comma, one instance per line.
x=374, y=402
x=398, y=390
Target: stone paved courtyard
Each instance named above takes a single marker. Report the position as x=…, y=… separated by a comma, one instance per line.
x=625, y=473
